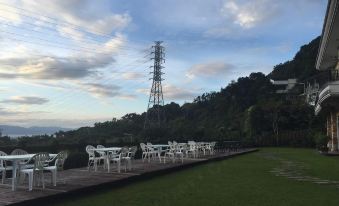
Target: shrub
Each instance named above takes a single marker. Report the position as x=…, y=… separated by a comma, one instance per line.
x=321, y=141
x=76, y=160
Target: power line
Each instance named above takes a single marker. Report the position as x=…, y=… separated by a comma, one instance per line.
x=56, y=44
x=69, y=95
x=120, y=47
x=74, y=26
x=54, y=21
x=132, y=63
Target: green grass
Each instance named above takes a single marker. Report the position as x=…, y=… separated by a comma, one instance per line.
x=243, y=180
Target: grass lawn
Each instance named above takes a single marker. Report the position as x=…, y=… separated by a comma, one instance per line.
x=269, y=177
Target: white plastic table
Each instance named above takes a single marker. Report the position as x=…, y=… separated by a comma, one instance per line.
x=107, y=150
x=15, y=159
x=158, y=145
x=159, y=148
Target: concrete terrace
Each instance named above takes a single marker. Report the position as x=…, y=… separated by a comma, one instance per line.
x=79, y=181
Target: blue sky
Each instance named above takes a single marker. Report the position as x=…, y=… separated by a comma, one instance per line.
x=71, y=63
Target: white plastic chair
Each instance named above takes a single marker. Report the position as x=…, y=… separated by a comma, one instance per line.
x=170, y=153
x=125, y=157
x=192, y=149
x=179, y=151
x=58, y=161
x=102, y=155
x=152, y=152
x=144, y=151
x=4, y=167
x=23, y=163
x=19, y=152
x=211, y=148
x=38, y=169
x=92, y=159
x=132, y=151
x=114, y=157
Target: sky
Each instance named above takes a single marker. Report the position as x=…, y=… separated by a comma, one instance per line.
x=71, y=63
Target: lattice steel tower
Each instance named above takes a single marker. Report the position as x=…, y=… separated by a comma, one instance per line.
x=155, y=114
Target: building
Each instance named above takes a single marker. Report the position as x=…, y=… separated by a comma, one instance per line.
x=327, y=95
x=284, y=86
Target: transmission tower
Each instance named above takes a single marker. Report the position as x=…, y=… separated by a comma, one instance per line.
x=155, y=114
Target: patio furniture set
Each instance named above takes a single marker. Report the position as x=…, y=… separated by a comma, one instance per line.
x=174, y=150
x=106, y=156
x=22, y=164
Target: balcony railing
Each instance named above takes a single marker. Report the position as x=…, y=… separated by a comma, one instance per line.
x=315, y=84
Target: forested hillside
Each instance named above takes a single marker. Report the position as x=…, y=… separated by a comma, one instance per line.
x=301, y=67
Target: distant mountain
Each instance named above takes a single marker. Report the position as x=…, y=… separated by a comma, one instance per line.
x=18, y=131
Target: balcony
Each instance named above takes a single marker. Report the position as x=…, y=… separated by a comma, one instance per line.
x=322, y=89
x=326, y=94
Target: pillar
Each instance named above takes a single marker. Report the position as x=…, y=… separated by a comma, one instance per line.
x=334, y=131
x=328, y=131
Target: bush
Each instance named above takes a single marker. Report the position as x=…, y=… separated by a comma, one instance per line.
x=76, y=160
x=321, y=141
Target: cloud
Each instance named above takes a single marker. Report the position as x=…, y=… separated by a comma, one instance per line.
x=47, y=122
x=93, y=17
x=10, y=15
x=250, y=13
x=55, y=68
x=132, y=76
x=5, y=112
x=49, y=68
x=172, y=92
x=26, y=100
x=101, y=90
x=128, y=96
x=144, y=91
x=211, y=69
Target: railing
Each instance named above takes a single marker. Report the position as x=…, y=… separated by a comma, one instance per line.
x=315, y=84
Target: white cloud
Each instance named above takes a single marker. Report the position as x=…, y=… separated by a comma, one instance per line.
x=10, y=14
x=250, y=13
x=6, y=113
x=127, y=96
x=47, y=122
x=172, y=92
x=101, y=90
x=132, y=76
x=25, y=100
x=51, y=67
x=104, y=91
x=144, y=91
x=83, y=13
x=70, y=32
x=210, y=69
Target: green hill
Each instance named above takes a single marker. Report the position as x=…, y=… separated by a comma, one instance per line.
x=301, y=67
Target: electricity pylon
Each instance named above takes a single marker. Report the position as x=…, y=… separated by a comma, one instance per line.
x=155, y=115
